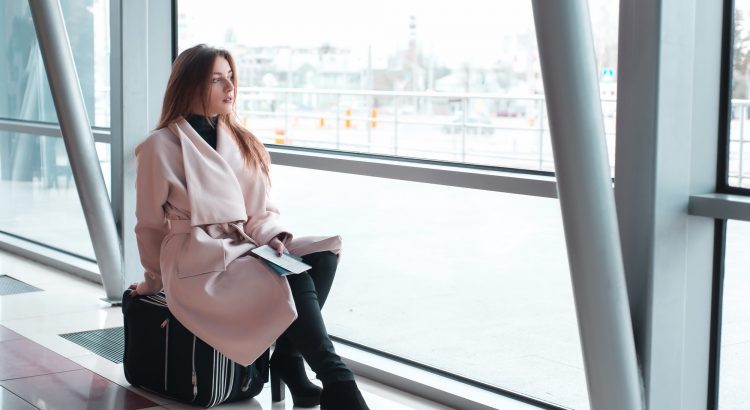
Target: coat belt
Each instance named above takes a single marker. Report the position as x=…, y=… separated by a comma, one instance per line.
x=234, y=230
x=179, y=225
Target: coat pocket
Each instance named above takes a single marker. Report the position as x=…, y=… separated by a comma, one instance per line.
x=200, y=254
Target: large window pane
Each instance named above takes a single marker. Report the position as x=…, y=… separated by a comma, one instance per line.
x=407, y=78
x=39, y=197
x=739, y=135
x=26, y=94
x=469, y=281
x=734, y=390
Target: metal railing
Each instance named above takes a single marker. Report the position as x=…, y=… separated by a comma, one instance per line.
x=489, y=129
x=737, y=172
x=458, y=116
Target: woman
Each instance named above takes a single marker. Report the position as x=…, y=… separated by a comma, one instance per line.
x=202, y=204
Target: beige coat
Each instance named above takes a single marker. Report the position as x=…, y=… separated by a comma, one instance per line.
x=199, y=212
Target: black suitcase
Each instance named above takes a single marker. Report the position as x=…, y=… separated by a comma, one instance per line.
x=163, y=357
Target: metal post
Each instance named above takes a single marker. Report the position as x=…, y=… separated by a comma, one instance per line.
x=743, y=112
x=368, y=122
x=338, y=119
x=395, y=125
x=541, y=133
x=79, y=142
x=584, y=186
x=286, y=114
x=286, y=93
x=465, y=106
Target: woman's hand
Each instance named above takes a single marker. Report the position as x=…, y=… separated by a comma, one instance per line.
x=132, y=288
x=142, y=288
x=278, y=246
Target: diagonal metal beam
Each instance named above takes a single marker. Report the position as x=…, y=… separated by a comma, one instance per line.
x=566, y=52
x=79, y=142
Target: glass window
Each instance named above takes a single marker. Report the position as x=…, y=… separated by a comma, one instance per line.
x=734, y=384
x=26, y=94
x=396, y=77
x=739, y=134
x=472, y=282
x=39, y=197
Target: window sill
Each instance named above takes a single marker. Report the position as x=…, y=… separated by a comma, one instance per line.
x=425, y=384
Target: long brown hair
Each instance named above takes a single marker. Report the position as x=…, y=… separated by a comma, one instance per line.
x=191, y=72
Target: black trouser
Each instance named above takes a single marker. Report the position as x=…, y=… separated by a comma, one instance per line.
x=307, y=335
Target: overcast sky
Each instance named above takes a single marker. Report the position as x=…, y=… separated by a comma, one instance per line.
x=468, y=30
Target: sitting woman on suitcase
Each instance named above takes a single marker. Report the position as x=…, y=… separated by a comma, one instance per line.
x=202, y=203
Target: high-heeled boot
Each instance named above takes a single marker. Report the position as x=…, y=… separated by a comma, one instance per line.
x=290, y=371
x=342, y=396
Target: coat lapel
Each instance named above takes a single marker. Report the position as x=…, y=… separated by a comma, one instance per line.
x=213, y=190
x=227, y=148
x=253, y=185
x=225, y=145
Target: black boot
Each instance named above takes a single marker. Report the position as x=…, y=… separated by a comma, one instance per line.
x=342, y=396
x=290, y=370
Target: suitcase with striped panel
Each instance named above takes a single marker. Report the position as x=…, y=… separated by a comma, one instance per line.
x=163, y=357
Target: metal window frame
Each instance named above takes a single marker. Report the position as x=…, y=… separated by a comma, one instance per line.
x=722, y=181
x=725, y=204
x=667, y=89
x=405, y=169
x=421, y=389
x=717, y=296
x=45, y=129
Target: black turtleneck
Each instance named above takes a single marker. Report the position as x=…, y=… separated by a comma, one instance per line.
x=204, y=128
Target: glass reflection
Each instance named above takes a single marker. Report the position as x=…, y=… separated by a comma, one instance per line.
x=39, y=197
x=26, y=94
x=734, y=384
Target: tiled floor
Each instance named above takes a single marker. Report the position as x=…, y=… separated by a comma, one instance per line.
x=39, y=369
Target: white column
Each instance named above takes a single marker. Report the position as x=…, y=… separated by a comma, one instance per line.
x=568, y=63
x=79, y=142
x=668, y=78
x=141, y=58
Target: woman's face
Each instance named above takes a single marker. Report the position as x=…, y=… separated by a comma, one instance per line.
x=221, y=90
